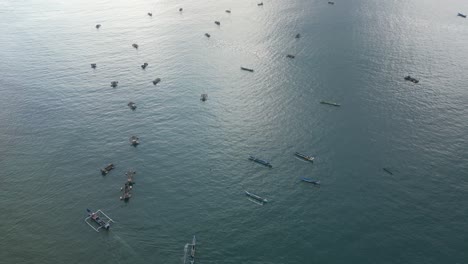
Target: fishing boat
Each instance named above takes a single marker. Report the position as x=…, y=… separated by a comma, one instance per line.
x=192, y=250
x=329, y=103
x=135, y=45
x=461, y=15
x=290, y=56
x=100, y=220
x=388, y=171
x=246, y=69
x=114, y=84
x=331, y=3
x=144, y=65
x=228, y=11
x=310, y=181
x=411, y=79
x=217, y=23
x=130, y=175
x=181, y=9
x=134, y=140
x=98, y=26
x=156, y=81
x=256, y=197
x=126, y=192
x=93, y=65
x=308, y=158
x=298, y=36
x=260, y=4
x=132, y=105
x=107, y=169
x=204, y=97
x=150, y=14
x=190, y=256
x=263, y=162
x=207, y=35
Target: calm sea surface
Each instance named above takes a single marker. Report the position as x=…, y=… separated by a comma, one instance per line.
x=61, y=121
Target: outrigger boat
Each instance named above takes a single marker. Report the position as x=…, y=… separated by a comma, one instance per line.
x=246, y=69
x=263, y=162
x=308, y=158
x=310, y=181
x=256, y=197
x=329, y=103
x=99, y=218
x=107, y=169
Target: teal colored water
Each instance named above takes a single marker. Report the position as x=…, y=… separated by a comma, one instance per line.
x=61, y=121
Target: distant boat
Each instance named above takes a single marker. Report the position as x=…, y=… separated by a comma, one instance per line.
x=247, y=69
x=107, y=169
x=411, y=79
x=217, y=23
x=329, y=103
x=99, y=218
x=228, y=11
x=388, y=171
x=298, y=36
x=461, y=15
x=256, y=197
x=308, y=158
x=132, y=105
x=144, y=66
x=114, y=84
x=93, y=65
x=310, y=181
x=260, y=4
x=150, y=14
x=204, y=97
x=207, y=35
x=263, y=162
x=181, y=9
x=156, y=81
x=331, y=3
x=290, y=56
x=134, y=140
x=135, y=45
x=98, y=26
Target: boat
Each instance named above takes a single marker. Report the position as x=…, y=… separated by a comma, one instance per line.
x=114, y=84
x=156, y=81
x=132, y=105
x=181, y=9
x=190, y=256
x=130, y=174
x=144, y=65
x=310, y=181
x=388, y=171
x=204, y=97
x=93, y=65
x=256, y=197
x=290, y=56
x=411, y=79
x=126, y=192
x=260, y=4
x=207, y=35
x=134, y=140
x=329, y=103
x=135, y=45
x=107, y=169
x=298, y=36
x=150, y=14
x=99, y=218
x=461, y=15
x=228, y=11
x=308, y=158
x=246, y=69
x=331, y=3
x=98, y=26
x=263, y=162
x=192, y=250
x=217, y=23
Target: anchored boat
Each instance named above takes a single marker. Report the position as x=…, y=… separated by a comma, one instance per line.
x=150, y=14
x=461, y=15
x=388, y=171
x=290, y=56
x=93, y=65
x=156, y=81
x=98, y=26
x=132, y=105
x=100, y=220
x=315, y=182
x=411, y=79
x=114, y=84
x=329, y=103
x=256, y=197
x=107, y=169
x=204, y=97
x=144, y=65
x=207, y=35
x=134, y=140
x=217, y=23
x=263, y=162
x=308, y=158
x=135, y=45
x=190, y=257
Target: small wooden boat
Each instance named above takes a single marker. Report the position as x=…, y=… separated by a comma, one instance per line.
x=246, y=69
x=263, y=162
x=329, y=103
x=310, y=181
x=256, y=197
x=411, y=79
x=144, y=66
x=298, y=36
x=461, y=15
x=135, y=45
x=204, y=97
x=260, y=4
x=150, y=14
x=107, y=169
x=134, y=140
x=93, y=65
x=217, y=23
x=207, y=35
x=181, y=9
x=156, y=81
x=98, y=26
x=126, y=192
x=228, y=11
x=308, y=158
x=331, y=3
x=192, y=250
x=132, y=105
x=290, y=56
x=388, y=171
x=114, y=84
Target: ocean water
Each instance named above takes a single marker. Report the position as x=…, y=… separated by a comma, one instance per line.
x=61, y=121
